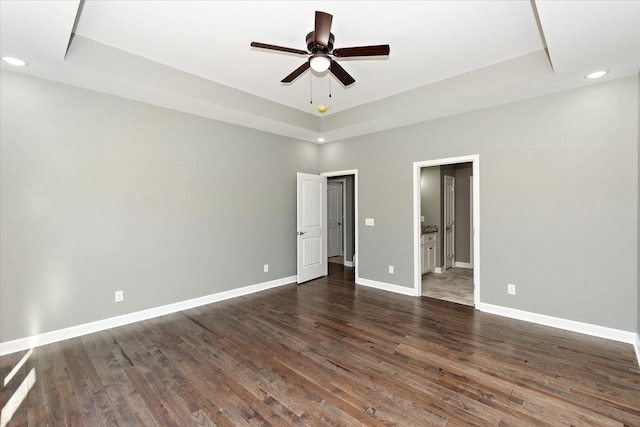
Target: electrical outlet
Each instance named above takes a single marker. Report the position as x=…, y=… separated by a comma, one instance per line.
x=511, y=289
x=266, y=268
x=119, y=296
x=391, y=269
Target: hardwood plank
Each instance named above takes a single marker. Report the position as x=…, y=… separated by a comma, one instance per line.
x=329, y=353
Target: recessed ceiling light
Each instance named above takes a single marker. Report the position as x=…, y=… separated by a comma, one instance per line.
x=596, y=74
x=320, y=139
x=14, y=61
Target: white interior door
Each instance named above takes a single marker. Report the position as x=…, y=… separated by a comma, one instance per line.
x=312, y=226
x=449, y=221
x=334, y=219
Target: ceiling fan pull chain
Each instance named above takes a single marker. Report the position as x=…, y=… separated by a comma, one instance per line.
x=310, y=88
x=330, y=91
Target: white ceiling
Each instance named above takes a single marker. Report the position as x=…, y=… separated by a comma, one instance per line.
x=446, y=56
x=429, y=41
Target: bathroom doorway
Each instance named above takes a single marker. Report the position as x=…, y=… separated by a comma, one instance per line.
x=447, y=223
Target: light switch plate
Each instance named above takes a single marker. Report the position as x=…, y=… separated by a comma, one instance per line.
x=368, y=222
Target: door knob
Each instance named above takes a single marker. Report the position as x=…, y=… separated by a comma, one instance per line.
x=300, y=233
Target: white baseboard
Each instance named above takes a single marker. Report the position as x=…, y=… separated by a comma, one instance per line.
x=636, y=347
x=460, y=264
x=125, y=319
x=348, y=263
x=386, y=286
x=439, y=270
x=556, y=322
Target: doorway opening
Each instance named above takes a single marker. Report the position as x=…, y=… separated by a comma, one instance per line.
x=336, y=219
x=446, y=229
x=342, y=218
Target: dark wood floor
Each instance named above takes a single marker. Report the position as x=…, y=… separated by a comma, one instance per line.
x=329, y=353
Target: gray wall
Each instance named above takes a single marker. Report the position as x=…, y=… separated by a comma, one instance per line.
x=463, y=212
x=559, y=185
x=98, y=193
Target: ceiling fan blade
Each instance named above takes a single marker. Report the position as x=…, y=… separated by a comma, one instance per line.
x=378, y=50
x=341, y=74
x=279, y=48
x=323, y=28
x=301, y=69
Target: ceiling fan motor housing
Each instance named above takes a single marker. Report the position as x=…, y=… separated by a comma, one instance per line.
x=318, y=48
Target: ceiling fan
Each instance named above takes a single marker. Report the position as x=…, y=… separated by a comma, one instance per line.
x=320, y=50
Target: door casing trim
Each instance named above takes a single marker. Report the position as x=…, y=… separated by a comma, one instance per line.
x=353, y=172
x=475, y=160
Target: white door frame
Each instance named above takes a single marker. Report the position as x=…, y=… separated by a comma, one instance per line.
x=471, y=221
x=475, y=160
x=353, y=172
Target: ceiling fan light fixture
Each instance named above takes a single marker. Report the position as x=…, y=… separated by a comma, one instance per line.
x=320, y=62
